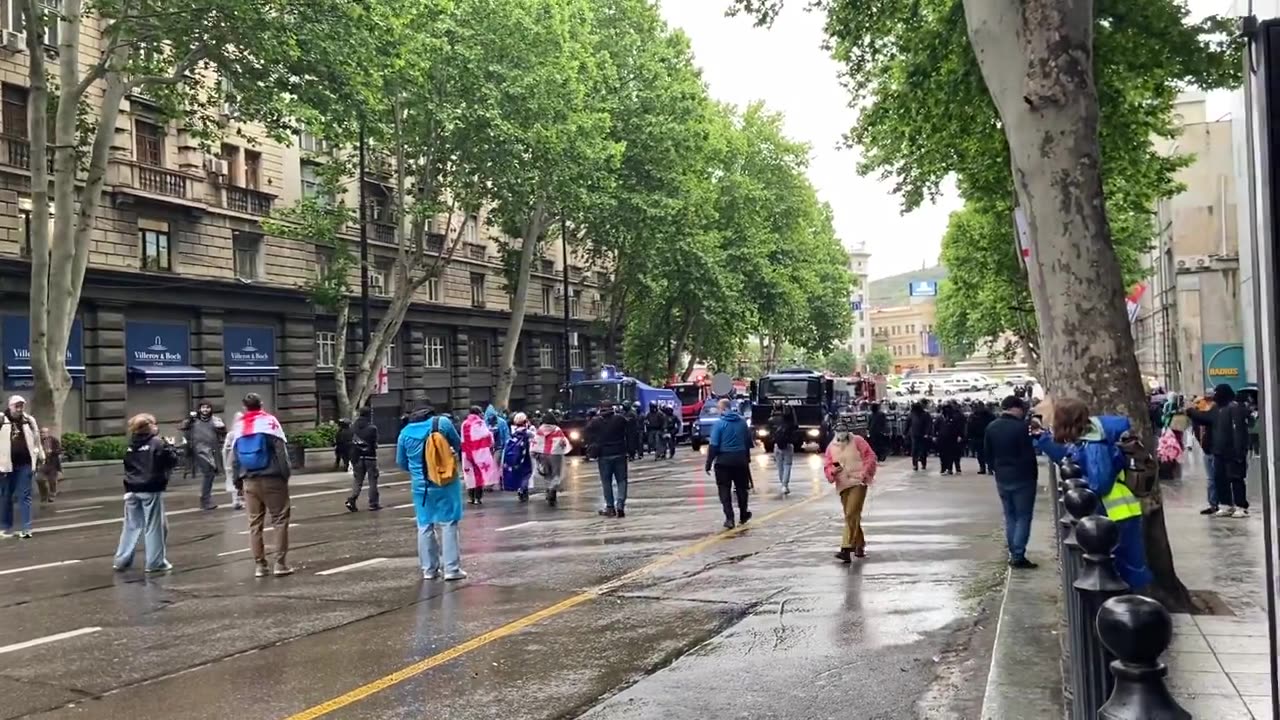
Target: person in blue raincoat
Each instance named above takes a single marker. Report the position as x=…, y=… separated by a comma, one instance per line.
x=1091, y=441
x=434, y=505
x=517, y=463
x=501, y=434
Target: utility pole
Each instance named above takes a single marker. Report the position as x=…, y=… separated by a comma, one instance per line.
x=364, y=250
x=564, y=251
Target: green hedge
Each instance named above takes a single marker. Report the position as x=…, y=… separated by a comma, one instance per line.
x=108, y=448
x=75, y=446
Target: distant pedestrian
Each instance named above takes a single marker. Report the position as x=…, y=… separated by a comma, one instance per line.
x=1228, y=424
x=850, y=464
x=976, y=431
x=148, y=463
x=49, y=474
x=673, y=425
x=550, y=446
x=635, y=432
x=364, y=460
x=950, y=435
x=261, y=462
x=920, y=430
x=479, y=470
x=204, y=433
x=1011, y=455
x=233, y=486
x=607, y=435
x=656, y=425
x=342, y=445
x=729, y=452
x=517, y=463
x=428, y=449
x=20, y=453
x=785, y=434
x=878, y=432
x=501, y=430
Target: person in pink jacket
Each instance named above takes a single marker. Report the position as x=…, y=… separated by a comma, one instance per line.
x=851, y=466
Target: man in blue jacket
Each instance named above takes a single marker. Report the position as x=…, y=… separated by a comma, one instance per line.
x=434, y=505
x=729, y=451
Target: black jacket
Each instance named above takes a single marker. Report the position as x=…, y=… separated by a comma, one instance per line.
x=920, y=425
x=950, y=428
x=1010, y=453
x=607, y=435
x=878, y=424
x=1228, y=430
x=783, y=430
x=979, y=419
x=148, y=463
x=364, y=440
x=345, y=436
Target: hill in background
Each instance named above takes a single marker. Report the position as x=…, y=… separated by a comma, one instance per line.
x=892, y=291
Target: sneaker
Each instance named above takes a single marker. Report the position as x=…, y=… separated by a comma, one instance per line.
x=1225, y=512
x=551, y=497
x=1023, y=564
x=620, y=514
x=860, y=553
x=166, y=567
x=786, y=491
x=237, y=505
x=728, y=524
x=26, y=534
x=843, y=556
x=745, y=517
x=281, y=569
x=455, y=575
x=351, y=505
x=1212, y=509
x=374, y=507
x=119, y=568
x=209, y=507
x=1239, y=513
x=430, y=574
x=607, y=512
x=261, y=570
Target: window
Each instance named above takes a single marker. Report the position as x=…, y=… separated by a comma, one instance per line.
x=312, y=144
x=326, y=349
x=230, y=154
x=391, y=356
x=470, y=231
x=862, y=332
x=547, y=300
x=252, y=170
x=575, y=357
x=546, y=355
x=377, y=282
x=13, y=19
x=13, y=115
x=155, y=248
x=435, y=351
x=247, y=248
x=433, y=289
x=310, y=180
x=149, y=138
x=575, y=296
x=477, y=290
x=479, y=350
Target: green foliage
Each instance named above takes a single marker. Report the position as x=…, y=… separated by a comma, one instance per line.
x=328, y=433
x=840, y=361
x=310, y=439
x=880, y=360
x=321, y=219
x=75, y=446
x=108, y=448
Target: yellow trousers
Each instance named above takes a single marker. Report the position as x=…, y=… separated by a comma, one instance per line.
x=852, y=499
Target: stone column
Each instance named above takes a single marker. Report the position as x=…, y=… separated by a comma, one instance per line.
x=296, y=387
x=460, y=370
x=594, y=357
x=533, y=372
x=206, y=354
x=414, y=359
x=105, y=383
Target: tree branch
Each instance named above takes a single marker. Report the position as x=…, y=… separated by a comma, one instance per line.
x=180, y=70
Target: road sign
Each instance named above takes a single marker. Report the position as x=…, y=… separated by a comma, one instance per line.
x=923, y=288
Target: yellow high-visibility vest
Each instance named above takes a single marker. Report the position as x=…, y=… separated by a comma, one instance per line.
x=1121, y=503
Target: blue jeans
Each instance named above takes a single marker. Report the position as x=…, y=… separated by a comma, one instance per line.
x=613, y=468
x=15, y=486
x=784, y=456
x=433, y=550
x=1019, y=504
x=143, y=519
x=1212, y=493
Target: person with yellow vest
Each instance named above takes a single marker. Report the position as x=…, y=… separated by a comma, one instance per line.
x=1092, y=442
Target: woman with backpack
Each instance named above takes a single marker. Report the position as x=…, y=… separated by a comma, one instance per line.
x=428, y=449
x=550, y=445
x=517, y=464
x=147, y=465
x=479, y=469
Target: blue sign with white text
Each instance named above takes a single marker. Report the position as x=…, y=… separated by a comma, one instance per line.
x=15, y=333
x=153, y=344
x=249, y=349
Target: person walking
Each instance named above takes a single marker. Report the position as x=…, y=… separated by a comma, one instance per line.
x=1203, y=433
x=729, y=452
x=479, y=470
x=20, y=454
x=364, y=460
x=1228, y=423
x=673, y=426
x=148, y=463
x=850, y=464
x=261, y=464
x=920, y=431
x=634, y=430
x=205, y=433
x=782, y=428
x=550, y=446
x=517, y=464
x=233, y=486
x=428, y=449
x=878, y=432
x=1093, y=443
x=49, y=474
x=501, y=431
x=656, y=423
x=1011, y=455
x=607, y=435
x=342, y=445
x=976, y=430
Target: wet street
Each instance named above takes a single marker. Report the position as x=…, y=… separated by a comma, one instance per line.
x=565, y=614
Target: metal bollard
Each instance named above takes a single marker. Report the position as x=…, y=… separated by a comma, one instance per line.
x=1097, y=583
x=1081, y=503
x=1137, y=630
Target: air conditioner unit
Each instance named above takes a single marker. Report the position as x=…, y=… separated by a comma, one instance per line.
x=559, y=291
x=13, y=41
x=216, y=166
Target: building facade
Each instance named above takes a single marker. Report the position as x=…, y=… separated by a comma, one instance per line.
x=187, y=299
x=860, y=336
x=907, y=331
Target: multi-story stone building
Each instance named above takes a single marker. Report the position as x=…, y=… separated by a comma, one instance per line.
x=907, y=331
x=187, y=299
x=860, y=335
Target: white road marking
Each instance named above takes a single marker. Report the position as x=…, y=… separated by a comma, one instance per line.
x=234, y=552
x=48, y=639
x=402, y=507
x=267, y=529
x=79, y=509
x=513, y=527
x=38, y=567
x=352, y=566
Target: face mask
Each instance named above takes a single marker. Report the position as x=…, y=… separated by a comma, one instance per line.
x=842, y=436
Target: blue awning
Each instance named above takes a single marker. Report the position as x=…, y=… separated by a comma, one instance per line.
x=167, y=373
x=23, y=372
x=253, y=370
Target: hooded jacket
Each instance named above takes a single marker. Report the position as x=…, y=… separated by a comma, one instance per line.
x=730, y=443
x=501, y=429
x=432, y=503
x=1228, y=425
x=364, y=438
x=920, y=425
x=148, y=463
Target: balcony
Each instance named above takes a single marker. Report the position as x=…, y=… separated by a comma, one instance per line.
x=248, y=200
x=548, y=266
x=159, y=181
x=575, y=273
x=435, y=243
x=383, y=232
x=475, y=251
x=16, y=152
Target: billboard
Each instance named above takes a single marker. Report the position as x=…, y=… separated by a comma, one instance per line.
x=923, y=288
x=1223, y=364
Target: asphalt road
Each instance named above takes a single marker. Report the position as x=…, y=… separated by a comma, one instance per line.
x=565, y=614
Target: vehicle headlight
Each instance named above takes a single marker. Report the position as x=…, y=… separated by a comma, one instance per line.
x=575, y=435
x=814, y=432
x=762, y=432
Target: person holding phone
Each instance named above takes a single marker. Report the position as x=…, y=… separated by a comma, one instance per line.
x=851, y=466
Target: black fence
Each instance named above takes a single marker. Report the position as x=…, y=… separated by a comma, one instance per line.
x=1114, y=639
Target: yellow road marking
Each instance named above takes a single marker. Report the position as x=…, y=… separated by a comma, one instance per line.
x=519, y=624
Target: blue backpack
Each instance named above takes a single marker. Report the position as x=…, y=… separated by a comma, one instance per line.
x=253, y=452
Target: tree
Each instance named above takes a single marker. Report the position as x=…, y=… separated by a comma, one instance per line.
x=841, y=361
x=880, y=360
